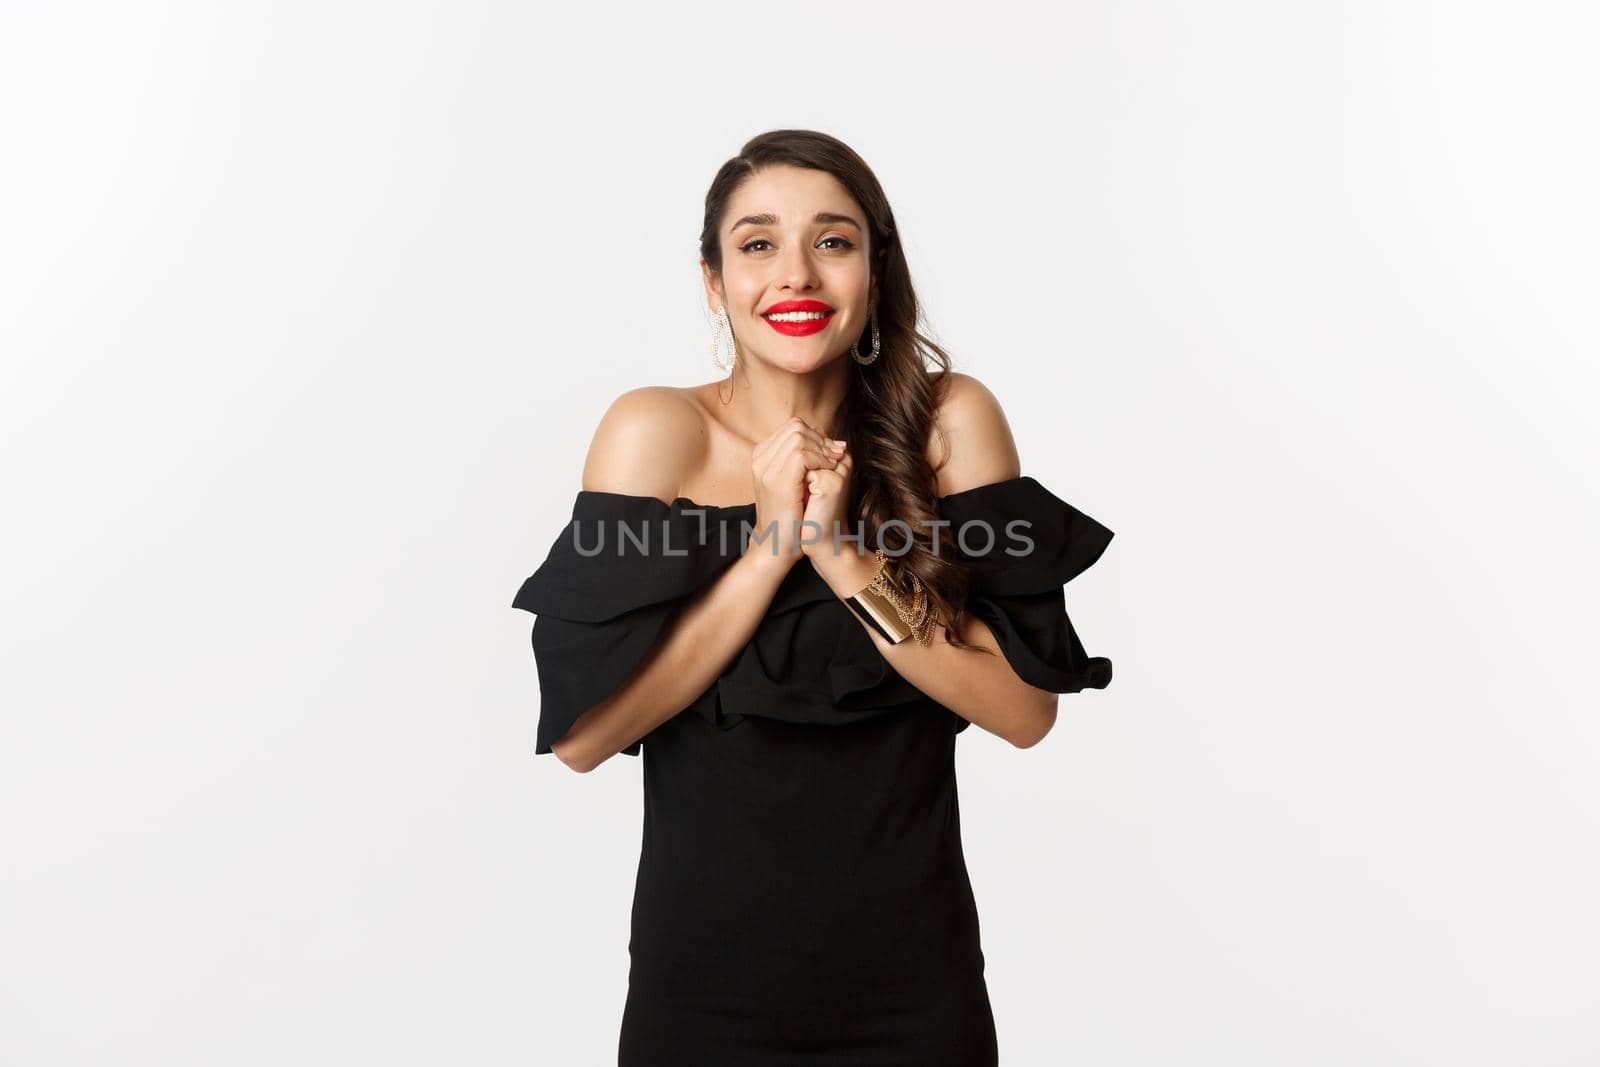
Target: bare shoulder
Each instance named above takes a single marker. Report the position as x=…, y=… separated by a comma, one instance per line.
x=647, y=441
x=973, y=444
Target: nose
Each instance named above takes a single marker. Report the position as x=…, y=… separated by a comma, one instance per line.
x=796, y=270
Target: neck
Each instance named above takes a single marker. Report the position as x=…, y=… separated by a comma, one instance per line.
x=765, y=397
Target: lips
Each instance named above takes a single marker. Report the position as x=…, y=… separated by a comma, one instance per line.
x=801, y=328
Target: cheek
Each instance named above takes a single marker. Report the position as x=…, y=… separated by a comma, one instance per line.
x=851, y=278
x=742, y=286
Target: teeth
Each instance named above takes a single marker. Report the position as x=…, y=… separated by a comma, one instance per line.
x=798, y=316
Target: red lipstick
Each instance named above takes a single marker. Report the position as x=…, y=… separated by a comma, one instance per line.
x=799, y=327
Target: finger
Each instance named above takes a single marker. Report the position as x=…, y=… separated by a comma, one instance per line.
x=821, y=459
x=772, y=455
x=794, y=466
x=768, y=447
x=781, y=433
x=805, y=437
x=813, y=460
x=794, y=436
x=827, y=477
x=825, y=481
x=816, y=438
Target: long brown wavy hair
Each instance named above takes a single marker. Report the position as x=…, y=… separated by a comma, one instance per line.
x=888, y=410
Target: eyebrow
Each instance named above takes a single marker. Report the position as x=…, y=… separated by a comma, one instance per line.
x=769, y=219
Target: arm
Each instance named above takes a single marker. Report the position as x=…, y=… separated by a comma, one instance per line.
x=644, y=442
x=977, y=448
x=701, y=641
x=981, y=688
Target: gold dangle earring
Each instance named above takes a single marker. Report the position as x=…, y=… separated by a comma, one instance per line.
x=719, y=329
x=855, y=349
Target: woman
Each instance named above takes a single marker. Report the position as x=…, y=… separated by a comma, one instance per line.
x=802, y=894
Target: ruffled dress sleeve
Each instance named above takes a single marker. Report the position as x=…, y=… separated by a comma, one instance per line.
x=605, y=594
x=1022, y=545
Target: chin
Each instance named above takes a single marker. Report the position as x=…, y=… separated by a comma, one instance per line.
x=798, y=362
x=807, y=365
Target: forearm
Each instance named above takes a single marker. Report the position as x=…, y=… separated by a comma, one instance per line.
x=979, y=687
x=700, y=641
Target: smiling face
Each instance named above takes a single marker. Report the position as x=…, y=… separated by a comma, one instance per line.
x=795, y=280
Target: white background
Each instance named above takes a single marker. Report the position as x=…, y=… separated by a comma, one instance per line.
x=309, y=311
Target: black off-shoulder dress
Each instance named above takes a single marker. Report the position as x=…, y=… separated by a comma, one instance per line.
x=802, y=896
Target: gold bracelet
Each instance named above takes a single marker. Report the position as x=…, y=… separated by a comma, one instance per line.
x=920, y=616
x=886, y=607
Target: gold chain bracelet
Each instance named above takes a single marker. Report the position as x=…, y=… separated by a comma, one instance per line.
x=886, y=606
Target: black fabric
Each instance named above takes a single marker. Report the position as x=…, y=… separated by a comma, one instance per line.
x=801, y=890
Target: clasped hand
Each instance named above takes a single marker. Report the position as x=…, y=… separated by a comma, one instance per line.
x=802, y=483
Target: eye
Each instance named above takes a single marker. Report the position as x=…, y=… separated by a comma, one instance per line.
x=845, y=244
